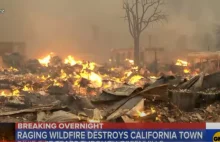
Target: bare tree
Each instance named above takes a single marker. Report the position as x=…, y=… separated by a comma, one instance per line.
x=140, y=14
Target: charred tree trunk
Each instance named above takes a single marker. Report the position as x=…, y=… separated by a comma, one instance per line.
x=136, y=51
x=138, y=20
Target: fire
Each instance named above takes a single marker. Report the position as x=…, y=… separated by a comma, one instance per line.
x=63, y=74
x=128, y=73
x=153, y=77
x=11, y=69
x=3, y=93
x=46, y=60
x=135, y=79
x=130, y=61
x=93, y=77
x=141, y=113
x=70, y=60
x=27, y=88
x=186, y=71
x=56, y=83
x=181, y=63
x=135, y=68
x=152, y=110
x=16, y=92
x=91, y=65
x=43, y=77
x=7, y=93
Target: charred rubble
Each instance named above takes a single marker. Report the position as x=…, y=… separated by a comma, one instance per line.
x=56, y=90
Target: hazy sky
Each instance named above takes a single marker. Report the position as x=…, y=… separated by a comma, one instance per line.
x=66, y=26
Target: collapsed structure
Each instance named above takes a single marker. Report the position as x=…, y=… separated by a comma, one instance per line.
x=52, y=89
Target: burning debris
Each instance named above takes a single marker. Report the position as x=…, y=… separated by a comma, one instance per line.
x=51, y=89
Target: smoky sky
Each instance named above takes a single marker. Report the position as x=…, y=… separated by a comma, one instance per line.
x=90, y=28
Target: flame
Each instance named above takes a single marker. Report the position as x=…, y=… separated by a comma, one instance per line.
x=135, y=68
x=128, y=73
x=46, y=60
x=130, y=61
x=181, y=63
x=112, y=69
x=186, y=71
x=135, y=79
x=153, y=77
x=11, y=69
x=141, y=113
x=56, y=83
x=63, y=74
x=195, y=73
x=152, y=110
x=7, y=93
x=43, y=77
x=3, y=93
x=27, y=88
x=70, y=60
x=91, y=66
x=16, y=92
x=93, y=77
x=107, y=85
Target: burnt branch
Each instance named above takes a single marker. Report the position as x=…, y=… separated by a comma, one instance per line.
x=129, y=17
x=157, y=15
x=140, y=13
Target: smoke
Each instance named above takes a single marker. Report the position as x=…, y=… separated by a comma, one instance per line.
x=89, y=29
x=190, y=23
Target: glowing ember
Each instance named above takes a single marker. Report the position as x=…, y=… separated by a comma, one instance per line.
x=186, y=71
x=70, y=60
x=128, y=73
x=153, y=110
x=43, y=77
x=11, y=69
x=141, y=113
x=153, y=77
x=181, y=63
x=56, y=83
x=135, y=68
x=46, y=60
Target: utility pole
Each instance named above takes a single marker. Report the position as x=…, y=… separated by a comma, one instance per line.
x=155, y=50
x=150, y=38
x=95, y=30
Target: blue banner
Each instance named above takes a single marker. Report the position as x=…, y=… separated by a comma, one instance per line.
x=117, y=135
